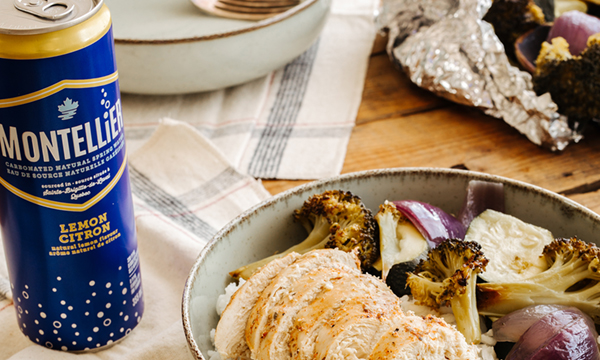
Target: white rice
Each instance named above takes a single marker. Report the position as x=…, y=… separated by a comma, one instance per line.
x=485, y=348
x=221, y=304
x=224, y=299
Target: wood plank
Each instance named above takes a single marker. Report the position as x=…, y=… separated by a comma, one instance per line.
x=464, y=137
x=459, y=136
x=379, y=44
x=402, y=125
x=277, y=186
x=590, y=200
x=389, y=93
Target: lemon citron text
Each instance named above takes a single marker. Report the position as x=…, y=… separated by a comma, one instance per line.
x=84, y=230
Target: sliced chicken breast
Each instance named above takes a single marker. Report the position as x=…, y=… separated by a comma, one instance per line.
x=278, y=288
x=319, y=306
x=357, y=340
x=311, y=319
x=414, y=338
x=230, y=339
x=274, y=343
x=352, y=331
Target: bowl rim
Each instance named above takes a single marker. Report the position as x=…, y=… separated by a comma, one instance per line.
x=258, y=25
x=522, y=59
x=469, y=174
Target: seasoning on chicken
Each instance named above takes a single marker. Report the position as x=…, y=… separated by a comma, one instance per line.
x=321, y=306
x=231, y=329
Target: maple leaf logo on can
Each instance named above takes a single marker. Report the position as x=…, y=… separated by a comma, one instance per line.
x=68, y=109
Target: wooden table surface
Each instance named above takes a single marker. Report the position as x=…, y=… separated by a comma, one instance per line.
x=401, y=125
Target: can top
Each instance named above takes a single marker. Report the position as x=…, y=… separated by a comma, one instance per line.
x=25, y=17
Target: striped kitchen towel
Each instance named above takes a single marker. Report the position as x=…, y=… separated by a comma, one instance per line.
x=294, y=123
x=184, y=191
x=5, y=292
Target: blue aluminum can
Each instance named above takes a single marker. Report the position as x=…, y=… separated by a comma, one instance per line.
x=66, y=210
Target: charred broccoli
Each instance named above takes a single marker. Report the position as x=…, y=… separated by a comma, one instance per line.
x=513, y=18
x=333, y=219
x=449, y=277
x=571, y=279
x=572, y=81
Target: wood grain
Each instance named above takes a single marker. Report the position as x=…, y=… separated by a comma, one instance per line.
x=388, y=93
x=401, y=125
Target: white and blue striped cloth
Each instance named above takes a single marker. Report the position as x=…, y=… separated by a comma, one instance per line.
x=294, y=123
x=191, y=176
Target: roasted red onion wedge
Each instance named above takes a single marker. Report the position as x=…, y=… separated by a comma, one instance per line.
x=566, y=334
x=512, y=326
x=481, y=195
x=575, y=27
x=435, y=224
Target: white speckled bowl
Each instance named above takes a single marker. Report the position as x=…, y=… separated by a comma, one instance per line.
x=268, y=227
x=172, y=47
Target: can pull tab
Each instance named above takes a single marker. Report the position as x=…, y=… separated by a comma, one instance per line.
x=46, y=9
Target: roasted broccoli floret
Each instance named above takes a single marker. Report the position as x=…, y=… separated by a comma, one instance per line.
x=572, y=81
x=572, y=278
x=333, y=219
x=513, y=18
x=449, y=277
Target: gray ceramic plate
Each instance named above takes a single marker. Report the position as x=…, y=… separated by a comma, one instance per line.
x=268, y=227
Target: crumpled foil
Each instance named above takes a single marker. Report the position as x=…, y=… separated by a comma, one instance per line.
x=445, y=46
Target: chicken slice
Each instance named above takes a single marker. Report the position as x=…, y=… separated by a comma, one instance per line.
x=357, y=340
x=353, y=330
x=230, y=339
x=274, y=343
x=415, y=338
x=311, y=319
x=278, y=288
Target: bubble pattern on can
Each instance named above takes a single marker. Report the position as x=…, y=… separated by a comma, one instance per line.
x=91, y=321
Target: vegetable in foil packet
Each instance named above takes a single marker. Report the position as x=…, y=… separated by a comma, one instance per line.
x=444, y=46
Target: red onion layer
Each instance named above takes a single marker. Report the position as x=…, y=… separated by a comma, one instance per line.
x=433, y=223
x=566, y=334
x=512, y=326
x=575, y=27
x=481, y=195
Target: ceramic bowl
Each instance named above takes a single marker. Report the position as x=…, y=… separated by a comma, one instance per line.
x=268, y=227
x=172, y=47
x=528, y=46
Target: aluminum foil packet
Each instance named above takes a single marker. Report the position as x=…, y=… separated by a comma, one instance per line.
x=444, y=46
